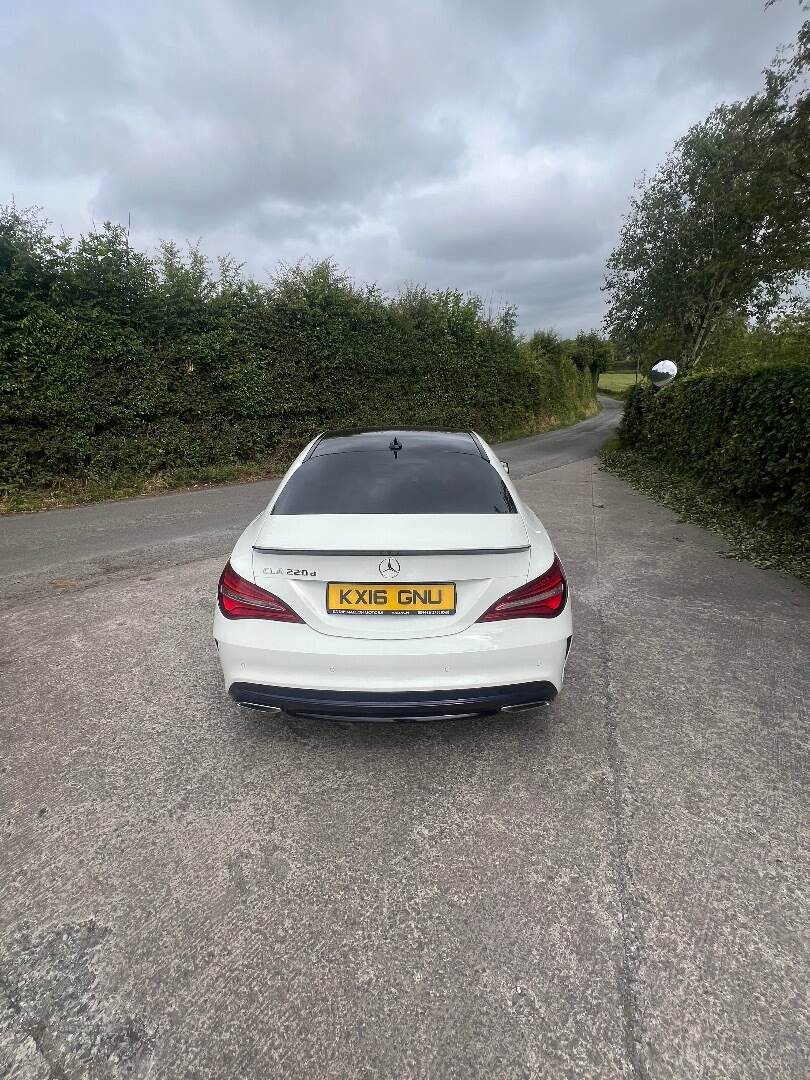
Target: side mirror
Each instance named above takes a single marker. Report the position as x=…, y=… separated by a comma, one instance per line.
x=662, y=373
x=505, y=466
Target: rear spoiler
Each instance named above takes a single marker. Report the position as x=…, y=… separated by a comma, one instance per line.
x=370, y=551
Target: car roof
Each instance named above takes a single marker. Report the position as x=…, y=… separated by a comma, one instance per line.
x=426, y=440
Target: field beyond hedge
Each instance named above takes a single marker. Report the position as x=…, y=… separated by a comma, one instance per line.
x=618, y=383
x=121, y=372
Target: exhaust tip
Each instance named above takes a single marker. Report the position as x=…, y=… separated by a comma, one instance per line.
x=257, y=705
x=528, y=705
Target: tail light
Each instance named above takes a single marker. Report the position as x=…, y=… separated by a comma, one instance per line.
x=241, y=599
x=542, y=598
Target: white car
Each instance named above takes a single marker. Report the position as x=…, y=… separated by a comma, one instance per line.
x=395, y=575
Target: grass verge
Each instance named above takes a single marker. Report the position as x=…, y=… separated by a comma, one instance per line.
x=549, y=421
x=751, y=535
x=75, y=491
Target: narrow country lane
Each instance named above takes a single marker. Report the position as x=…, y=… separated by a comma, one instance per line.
x=616, y=886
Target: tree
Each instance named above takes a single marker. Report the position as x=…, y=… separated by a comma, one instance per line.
x=723, y=226
x=29, y=263
x=590, y=352
x=547, y=343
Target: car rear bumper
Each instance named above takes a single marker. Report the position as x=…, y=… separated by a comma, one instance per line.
x=388, y=706
x=489, y=655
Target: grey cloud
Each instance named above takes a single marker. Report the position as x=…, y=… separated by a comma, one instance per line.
x=278, y=221
x=264, y=109
x=599, y=68
x=555, y=216
x=61, y=81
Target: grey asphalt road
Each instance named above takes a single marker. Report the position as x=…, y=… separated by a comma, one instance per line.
x=541, y=453
x=616, y=886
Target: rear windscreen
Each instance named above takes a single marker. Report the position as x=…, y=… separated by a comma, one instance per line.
x=410, y=483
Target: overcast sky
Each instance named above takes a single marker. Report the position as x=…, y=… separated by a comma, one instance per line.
x=489, y=146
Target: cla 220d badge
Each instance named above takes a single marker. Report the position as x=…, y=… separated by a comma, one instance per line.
x=289, y=573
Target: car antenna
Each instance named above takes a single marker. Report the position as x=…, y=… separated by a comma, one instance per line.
x=395, y=445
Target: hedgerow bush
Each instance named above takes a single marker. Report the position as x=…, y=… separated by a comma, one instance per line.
x=117, y=365
x=745, y=434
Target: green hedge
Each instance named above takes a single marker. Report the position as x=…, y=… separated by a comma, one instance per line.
x=116, y=365
x=746, y=434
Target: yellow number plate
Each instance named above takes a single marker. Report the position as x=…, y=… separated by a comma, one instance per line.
x=349, y=598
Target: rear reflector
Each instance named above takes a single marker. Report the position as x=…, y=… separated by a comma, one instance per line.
x=543, y=598
x=241, y=599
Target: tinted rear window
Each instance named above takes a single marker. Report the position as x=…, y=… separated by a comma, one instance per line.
x=413, y=482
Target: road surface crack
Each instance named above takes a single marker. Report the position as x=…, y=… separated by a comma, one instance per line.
x=629, y=962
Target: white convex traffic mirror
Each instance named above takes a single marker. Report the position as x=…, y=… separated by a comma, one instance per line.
x=662, y=373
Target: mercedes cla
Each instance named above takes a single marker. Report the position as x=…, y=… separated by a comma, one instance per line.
x=395, y=575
